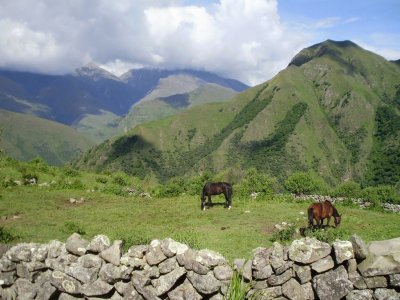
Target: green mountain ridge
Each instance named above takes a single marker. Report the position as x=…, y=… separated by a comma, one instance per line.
x=25, y=137
x=325, y=112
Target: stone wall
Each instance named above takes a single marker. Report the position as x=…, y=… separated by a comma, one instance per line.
x=166, y=269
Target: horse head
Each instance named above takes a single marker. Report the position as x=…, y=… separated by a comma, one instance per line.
x=338, y=218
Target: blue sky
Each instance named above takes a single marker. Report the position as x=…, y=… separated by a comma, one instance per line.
x=249, y=40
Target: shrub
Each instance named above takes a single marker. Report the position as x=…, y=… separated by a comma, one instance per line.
x=328, y=235
x=172, y=188
x=238, y=288
x=304, y=183
x=71, y=227
x=6, y=236
x=284, y=235
x=63, y=184
x=254, y=181
x=68, y=171
x=349, y=189
x=121, y=179
x=381, y=193
x=101, y=179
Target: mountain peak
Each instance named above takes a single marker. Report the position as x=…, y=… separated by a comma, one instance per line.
x=94, y=71
x=328, y=47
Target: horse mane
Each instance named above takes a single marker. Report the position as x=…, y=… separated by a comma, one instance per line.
x=335, y=212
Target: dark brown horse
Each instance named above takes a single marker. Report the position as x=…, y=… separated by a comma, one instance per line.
x=321, y=211
x=216, y=188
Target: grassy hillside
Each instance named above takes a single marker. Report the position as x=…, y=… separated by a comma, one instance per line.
x=25, y=137
x=321, y=114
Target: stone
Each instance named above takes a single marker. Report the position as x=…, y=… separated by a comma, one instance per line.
x=357, y=280
x=303, y=273
x=111, y=273
x=154, y=255
x=65, y=283
x=360, y=295
x=322, y=265
x=244, y=268
x=96, y=288
x=7, y=265
x=125, y=288
x=383, y=258
x=21, y=252
x=359, y=247
x=223, y=273
x=394, y=280
x=8, y=278
x=46, y=291
x=386, y=294
x=308, y=290
x=164, y=283
x=333, y=284
x=76, y=244
x=261, y=263
x=351, y=265
x=55, y=249
x=90, y=261
x=171, y=248
x=293, y=290
x=269, y=293
x=84, y=275
x=25, y=289
x=276, y=257
x=138, y=251
x=65, y=296
x=134, y=262
x=274, y=280
x=9, y=293
x=168, y=265
x=308, y=250
x=376, y=282
x=343, y=251
x=99, y=243
x=210, y=258
x=113, y=253
x=204, y=284
x=139, y=280
x=184, y=291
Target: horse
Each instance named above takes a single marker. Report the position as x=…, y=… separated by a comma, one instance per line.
x=216, y=188
x=321, y=211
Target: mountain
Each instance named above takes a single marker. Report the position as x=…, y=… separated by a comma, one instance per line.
x=334, y=110
x=25, y=137
x=93, y=100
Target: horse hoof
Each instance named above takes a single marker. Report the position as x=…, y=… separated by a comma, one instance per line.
x=204, y=208
x=229, y=207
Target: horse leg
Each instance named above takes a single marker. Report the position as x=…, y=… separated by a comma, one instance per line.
x=228, y=202
x=209, y=201
x=329, y=219
x=203, y=203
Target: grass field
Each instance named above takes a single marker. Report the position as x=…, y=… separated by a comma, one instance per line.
x=35, y=214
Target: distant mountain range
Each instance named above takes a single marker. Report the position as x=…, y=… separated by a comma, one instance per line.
x=100, y=105
x=334, y=110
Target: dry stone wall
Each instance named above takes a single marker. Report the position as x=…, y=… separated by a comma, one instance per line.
x=166, y=269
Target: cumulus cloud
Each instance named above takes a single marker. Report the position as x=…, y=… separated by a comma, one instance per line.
x=242, y=39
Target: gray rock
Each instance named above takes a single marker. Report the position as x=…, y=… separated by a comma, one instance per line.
x=90, y=261
x=183, y=292
x=25, y=289
x=64, y=296
x=111, y=273
x=223, y=273
x=65, y=283
x=343, y=251
x=134, y=262
x=303, y=273
x=84, y=275
x=21, y=252
x=333, y=284
x=154, y=254
x=359, y=247
x=394, y=280
x=168, y=265
x=308, y=290
x=9, y=293
x=386, y=294
x=46, y=291
x=125, y=289
x=322, y=265
x=351, y=265
x=96, y=288
x=99, y=243
x=166, y=282
x=357, y=280
x=61, y=262
x=171, y=248
x=139, y=280
x=205, y=284
x=261, y=263
x=148, y=292
x=113, y=253
x=293, y=290
x=210, y=258
x=244, y=268
x=308, y=250
x=274, y=280
x=7, y=265
x=76, y=244
x=138, y=251
x=276, y=257
x=269, y=293
x=383, y=258
x=376, y=282
x=8, y=278
x=55, y=249
x=360, y=295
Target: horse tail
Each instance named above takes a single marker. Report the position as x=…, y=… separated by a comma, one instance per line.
x=310, y=216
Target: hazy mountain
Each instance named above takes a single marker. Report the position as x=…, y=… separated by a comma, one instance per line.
x=333, y=110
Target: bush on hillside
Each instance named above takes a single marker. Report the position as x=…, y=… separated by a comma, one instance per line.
x=172, y=188
x=304, y=183
x=349, y=189
x=381, y=193
x=255, y=181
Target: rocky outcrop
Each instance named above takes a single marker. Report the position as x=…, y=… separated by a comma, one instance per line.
x=166, y=269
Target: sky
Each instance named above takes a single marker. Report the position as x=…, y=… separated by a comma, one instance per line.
x=248, y=40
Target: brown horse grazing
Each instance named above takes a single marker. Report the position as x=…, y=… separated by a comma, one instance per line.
x=216, y=188
x=321, y=211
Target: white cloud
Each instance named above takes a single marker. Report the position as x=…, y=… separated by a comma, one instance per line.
x=242, y=39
